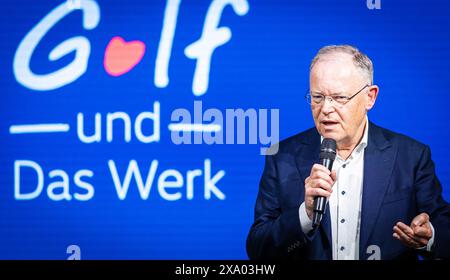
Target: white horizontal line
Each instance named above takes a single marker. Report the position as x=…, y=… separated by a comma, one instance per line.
x=197, y=127
x=38, y=128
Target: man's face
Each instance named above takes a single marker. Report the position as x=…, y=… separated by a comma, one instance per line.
x=336, y=74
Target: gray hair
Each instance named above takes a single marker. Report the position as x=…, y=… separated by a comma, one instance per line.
x=361, y=60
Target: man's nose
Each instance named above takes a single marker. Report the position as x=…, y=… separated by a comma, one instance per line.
x=327, y=106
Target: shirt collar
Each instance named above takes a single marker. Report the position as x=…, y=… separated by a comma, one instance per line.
x=363, y=144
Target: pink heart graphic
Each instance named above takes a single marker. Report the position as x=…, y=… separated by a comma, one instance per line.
x=121, y=56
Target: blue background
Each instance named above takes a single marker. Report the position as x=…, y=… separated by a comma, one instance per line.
x=264, y=65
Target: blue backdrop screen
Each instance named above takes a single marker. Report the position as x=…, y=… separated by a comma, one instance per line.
x=134, y=129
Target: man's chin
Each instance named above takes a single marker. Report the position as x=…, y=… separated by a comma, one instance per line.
x=330, y=134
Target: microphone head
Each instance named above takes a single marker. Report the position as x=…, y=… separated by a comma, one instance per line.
x=328, y=149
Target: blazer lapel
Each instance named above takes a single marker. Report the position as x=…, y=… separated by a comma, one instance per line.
x=379, y=158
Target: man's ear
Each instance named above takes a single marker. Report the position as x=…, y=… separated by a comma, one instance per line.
x=372, y=96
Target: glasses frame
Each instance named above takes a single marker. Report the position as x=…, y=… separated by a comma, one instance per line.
x=308, y=97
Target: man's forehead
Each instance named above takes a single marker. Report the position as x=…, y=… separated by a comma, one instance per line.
x=332, y=72
x=337, y=70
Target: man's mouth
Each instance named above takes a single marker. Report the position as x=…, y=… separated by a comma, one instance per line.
x=329, y=123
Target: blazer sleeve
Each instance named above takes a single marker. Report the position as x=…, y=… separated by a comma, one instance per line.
x=429, y=199
x=275, y=233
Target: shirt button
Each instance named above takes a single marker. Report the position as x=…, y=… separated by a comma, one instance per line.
x=343, y=192
x=342, y=248
x=344, y=165
x=342, y=221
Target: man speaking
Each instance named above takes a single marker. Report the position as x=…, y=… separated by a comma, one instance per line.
x=383, y=198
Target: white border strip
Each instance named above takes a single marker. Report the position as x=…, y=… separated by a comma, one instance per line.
x=39, y=128
x=196, y=127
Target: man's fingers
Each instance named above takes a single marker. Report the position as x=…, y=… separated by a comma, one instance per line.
x=318, y=192
x=410, y=232
x=320, y=183
x=406, y=233
x=404, y=242
x=320, y=167
x=322, y=175
x=420, y=220
x=405, y=228
x=396, y=236
x=406, y=239
x=423, y=231
x=419, y=241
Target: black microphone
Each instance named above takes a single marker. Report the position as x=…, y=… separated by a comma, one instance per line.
x=327, y=156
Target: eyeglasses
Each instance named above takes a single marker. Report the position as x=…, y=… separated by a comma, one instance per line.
x=339, y=100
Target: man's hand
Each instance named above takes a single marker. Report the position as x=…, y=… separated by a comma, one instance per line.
x=319, y=183
x=417, y=234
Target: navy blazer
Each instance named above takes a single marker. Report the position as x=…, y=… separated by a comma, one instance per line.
x=399, y=183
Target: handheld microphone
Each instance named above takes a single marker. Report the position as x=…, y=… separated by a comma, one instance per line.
x=327, y=156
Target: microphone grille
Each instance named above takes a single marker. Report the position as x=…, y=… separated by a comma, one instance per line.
x=328, y=149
